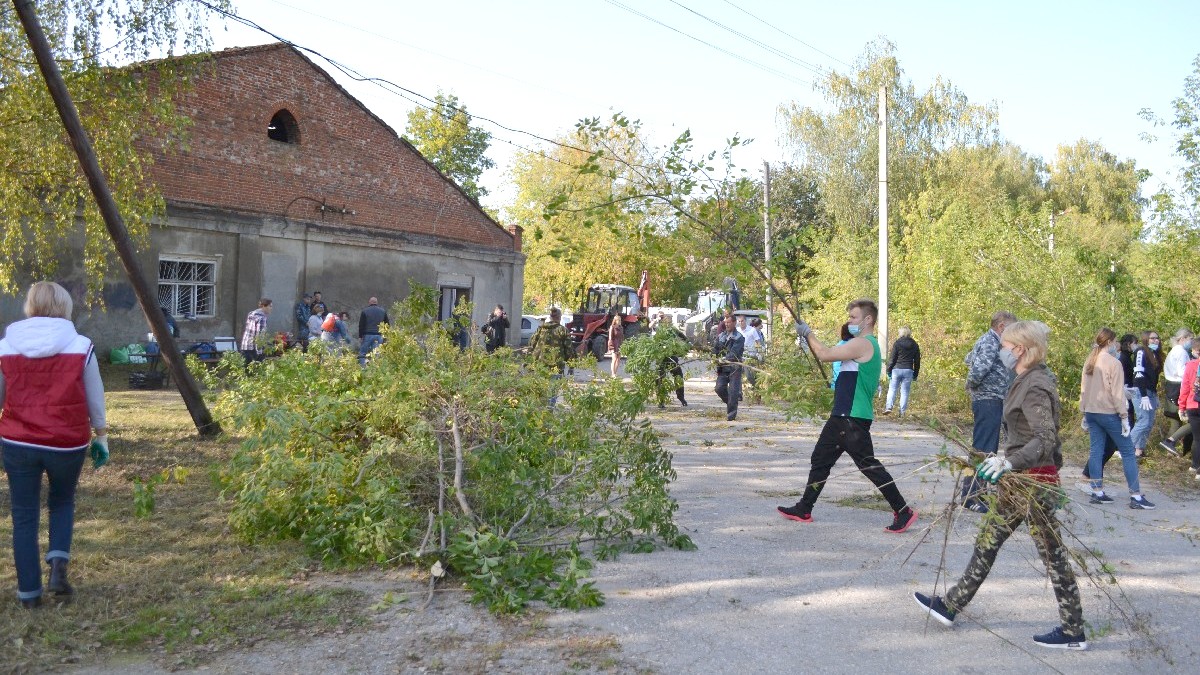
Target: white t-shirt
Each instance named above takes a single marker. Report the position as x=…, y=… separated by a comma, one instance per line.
x=753, y=338
x=1173, y=366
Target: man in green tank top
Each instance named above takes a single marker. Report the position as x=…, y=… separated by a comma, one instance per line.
x=849, y=427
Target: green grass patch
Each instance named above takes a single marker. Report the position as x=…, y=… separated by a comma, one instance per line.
x=873, y=501
x=176, y=583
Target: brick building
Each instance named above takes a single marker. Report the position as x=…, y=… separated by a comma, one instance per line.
x=287, y=184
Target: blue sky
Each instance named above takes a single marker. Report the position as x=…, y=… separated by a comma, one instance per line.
x=1059, y=71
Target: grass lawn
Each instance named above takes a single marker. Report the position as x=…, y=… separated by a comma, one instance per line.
x=175, y=583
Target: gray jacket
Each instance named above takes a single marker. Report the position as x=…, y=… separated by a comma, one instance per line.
x=1031, y=415
x=987, y=378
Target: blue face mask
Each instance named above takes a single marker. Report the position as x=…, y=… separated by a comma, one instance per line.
x=853, y=329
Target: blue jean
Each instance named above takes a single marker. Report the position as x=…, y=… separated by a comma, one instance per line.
x=902, y=378
x=1102, y=428
x=1145, y=422
x=985, y=436
x=369, y=342
x=24, y=467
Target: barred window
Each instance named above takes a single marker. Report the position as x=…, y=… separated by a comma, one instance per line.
x=187, y=286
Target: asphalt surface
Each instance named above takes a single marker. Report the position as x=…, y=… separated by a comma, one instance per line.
x=766, y=594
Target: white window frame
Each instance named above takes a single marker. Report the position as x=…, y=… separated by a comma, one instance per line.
x=190, y=286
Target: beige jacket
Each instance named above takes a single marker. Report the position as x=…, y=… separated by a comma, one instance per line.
x=1104, y=390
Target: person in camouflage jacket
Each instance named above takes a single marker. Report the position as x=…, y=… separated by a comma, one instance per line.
x=551, y=344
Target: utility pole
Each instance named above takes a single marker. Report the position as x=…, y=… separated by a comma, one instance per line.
x=1051, y=231
x=883, y=224
x=767, y=241
x=112, y=219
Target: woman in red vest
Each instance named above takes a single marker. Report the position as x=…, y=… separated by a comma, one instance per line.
x=52, y=399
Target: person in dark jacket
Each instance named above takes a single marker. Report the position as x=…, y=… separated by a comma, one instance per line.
x=1144, y=393
x=369, y=321
x=52, y=400
x=987, y=383
x=496, y=329
x=903, y=369
x=1032, y=456
x=728, y=347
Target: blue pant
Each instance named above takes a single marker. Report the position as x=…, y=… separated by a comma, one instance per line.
x=902, y=378
x=369, y=342
x=985, y=435
x=24, y=467
x=1145, y=421
x=1101, y=429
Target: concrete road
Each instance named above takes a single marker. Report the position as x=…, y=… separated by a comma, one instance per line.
x=765, y=594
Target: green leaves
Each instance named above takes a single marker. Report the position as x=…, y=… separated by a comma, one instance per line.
x=444, y=135
x=429, y=444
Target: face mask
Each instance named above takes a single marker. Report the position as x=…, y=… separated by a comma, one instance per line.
x=1008, y=359
x=1112, y=349
x=853, y=329
x=1154, y=347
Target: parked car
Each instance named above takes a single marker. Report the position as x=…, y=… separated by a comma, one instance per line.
x=529, y=326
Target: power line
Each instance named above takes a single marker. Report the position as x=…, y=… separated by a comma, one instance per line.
x=817, y=69
x=396, y=89
x=739, y=57
x=780, y=30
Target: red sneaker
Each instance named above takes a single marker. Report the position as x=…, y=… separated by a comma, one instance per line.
x=903, y=520
x=795, y=513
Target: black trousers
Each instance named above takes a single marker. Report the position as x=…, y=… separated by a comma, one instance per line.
x=852, y=436
x=671, y=367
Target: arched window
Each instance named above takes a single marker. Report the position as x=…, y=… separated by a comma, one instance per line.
x=283, y=128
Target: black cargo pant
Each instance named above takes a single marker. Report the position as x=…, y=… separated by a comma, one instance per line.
x=851, y=435
x=1034, y=503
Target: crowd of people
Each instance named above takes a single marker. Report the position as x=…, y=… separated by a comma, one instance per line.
x=45, y=365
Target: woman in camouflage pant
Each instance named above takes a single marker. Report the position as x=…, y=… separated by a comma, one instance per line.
x=1031, y=493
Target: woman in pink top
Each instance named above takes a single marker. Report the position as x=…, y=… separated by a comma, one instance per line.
x=1189, y=405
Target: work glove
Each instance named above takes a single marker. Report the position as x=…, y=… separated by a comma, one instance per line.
x=1183, y=416
x=1145, y=404
x=992, y=468
x=99, y=451
x=1124, y=426
x=1083, y=424
x=802, y=329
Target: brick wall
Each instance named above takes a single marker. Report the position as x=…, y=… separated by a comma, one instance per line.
x=346, y=158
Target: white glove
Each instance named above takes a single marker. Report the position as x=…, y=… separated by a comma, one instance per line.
x=1124, y=426
x=1145, y=404
x=1083, y=424
x=802, y=329
x=993, y=467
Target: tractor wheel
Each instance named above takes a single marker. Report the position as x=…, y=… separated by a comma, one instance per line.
x=600, y=346
x=632, y=329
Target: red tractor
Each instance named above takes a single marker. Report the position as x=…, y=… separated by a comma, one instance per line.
x=604, y=304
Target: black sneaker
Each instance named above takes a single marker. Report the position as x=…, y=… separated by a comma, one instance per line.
x=1169, y=446
x=975, y=505
x=936, y=608
x=902, y=520
x=796, y=513
x=1100, y=499
x=731, y=417
x=683, y=403
x=1140, y=502
x=1057, y=639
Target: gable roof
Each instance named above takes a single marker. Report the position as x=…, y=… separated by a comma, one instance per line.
x=349, y=167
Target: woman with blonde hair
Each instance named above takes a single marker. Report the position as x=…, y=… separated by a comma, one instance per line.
x=52, y=399
x=1106, y=418
x=1033, y=452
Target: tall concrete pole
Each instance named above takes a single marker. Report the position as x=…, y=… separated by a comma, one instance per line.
x=112, y=219
x=883, y=224
x=767, y=242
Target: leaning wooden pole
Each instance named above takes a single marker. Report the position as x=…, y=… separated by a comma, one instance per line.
x=112, y=218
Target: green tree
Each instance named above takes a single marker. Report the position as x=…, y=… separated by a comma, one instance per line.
x=1176, y=210
x=44, y=198
x=445, y=136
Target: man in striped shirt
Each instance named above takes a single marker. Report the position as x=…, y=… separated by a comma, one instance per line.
x=256, y=327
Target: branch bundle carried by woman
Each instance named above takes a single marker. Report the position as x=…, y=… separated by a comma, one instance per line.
x=1033, y=452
